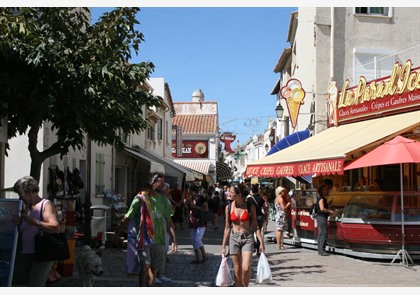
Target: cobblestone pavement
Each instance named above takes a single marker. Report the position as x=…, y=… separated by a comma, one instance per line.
x=293, y=267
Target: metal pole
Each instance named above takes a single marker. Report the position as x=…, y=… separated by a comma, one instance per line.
x=405, y=257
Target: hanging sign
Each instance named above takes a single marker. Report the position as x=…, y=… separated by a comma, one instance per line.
x=178, y=136
x=227, y=138
x=294, y=95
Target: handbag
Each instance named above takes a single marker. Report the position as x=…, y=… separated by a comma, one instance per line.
x=224, y=277
x=263, y=270
x=193, y=221
x=50, y=247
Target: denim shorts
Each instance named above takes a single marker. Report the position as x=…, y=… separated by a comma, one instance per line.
x=241, y=242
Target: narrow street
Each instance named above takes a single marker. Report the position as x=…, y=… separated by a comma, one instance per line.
x=293, y=267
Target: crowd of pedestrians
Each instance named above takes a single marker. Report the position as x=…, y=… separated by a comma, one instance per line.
x=158, y=212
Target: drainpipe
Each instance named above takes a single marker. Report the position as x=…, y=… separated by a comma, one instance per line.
x=332, y=42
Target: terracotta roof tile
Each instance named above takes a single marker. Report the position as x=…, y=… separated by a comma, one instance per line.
x=196, y=124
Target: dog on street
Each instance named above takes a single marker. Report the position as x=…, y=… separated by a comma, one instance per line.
x=89, y=265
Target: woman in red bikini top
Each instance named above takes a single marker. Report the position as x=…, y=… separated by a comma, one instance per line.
x=240, y=225
x=244, y=217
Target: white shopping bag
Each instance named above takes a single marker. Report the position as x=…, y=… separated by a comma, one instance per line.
x=263, y=270
x=224, y=277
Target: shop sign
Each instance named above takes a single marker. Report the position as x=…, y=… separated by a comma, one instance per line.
x=8, y=239
x=294, y=95
x=227, y=138
x=323, y=167
x=178, y=137
x=190, y=149
x=397, y=93
x=303, y=220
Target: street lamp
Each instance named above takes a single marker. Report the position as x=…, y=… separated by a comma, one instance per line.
x=279, y=112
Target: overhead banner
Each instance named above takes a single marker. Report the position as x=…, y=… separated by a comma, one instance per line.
x=324, y=167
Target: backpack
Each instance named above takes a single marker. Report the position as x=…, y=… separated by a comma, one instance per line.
x=259, y=208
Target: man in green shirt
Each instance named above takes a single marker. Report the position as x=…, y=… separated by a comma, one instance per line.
x=149, y=209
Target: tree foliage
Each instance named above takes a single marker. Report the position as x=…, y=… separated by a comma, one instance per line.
x=56, y=66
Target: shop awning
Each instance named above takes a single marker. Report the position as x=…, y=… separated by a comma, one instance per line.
x=155, y=167
x=170, y=165
x=223, y=171
x=325, y=152
x=199, y=166
x=289, y=140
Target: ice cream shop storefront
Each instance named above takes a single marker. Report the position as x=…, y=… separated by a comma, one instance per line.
x=376, y=202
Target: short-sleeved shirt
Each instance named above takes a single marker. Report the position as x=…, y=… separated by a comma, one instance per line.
x=161, y=209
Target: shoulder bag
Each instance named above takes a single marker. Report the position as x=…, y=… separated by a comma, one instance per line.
x=50, y=247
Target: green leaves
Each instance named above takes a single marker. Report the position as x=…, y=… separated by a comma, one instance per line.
x=73, y=74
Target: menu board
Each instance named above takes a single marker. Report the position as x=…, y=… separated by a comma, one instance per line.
x=8, y=239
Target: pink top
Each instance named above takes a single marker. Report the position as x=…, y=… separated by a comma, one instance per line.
x=29, y=231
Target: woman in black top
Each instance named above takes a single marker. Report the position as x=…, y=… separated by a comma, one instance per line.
x=321, y=218
x=197, y=226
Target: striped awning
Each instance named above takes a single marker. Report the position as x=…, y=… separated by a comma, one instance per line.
x=199, y=166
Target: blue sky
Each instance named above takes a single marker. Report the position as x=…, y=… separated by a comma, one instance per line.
x=228, y=53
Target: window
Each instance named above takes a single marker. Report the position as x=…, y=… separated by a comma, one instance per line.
x=100, y=165
x=151, y=132
x=383, y=11
x=372, y=64
x=123, y=136
x=159, y=129
x=65, y=163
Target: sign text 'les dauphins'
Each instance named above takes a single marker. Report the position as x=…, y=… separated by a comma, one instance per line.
x=402, y=80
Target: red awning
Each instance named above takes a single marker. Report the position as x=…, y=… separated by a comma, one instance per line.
x=325, y=152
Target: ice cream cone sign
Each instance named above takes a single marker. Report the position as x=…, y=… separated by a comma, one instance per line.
x=227, y=138
x=332, y=102
x=294, y=95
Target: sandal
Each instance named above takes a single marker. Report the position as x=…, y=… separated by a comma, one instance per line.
x=281, y=248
